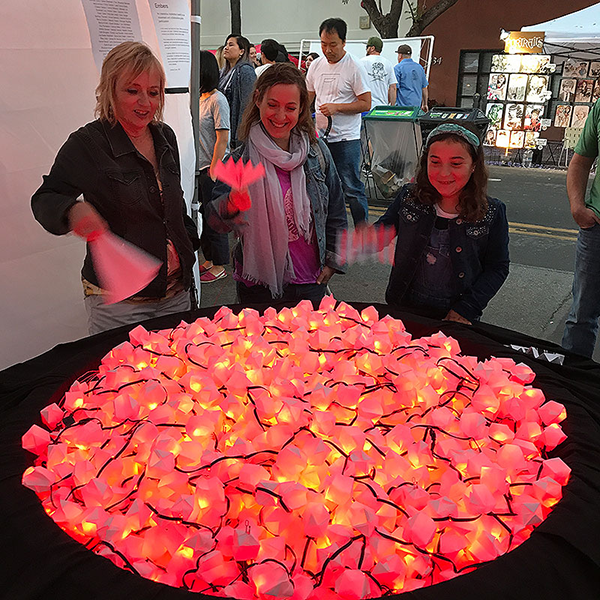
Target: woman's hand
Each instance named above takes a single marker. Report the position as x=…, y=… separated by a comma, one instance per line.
x=454, y=316
x=85, y=221
x=238, y=201
x=325, y=275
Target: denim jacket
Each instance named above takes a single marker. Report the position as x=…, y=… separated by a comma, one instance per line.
x=479, y=251
x=100, y=162
x=326, y=200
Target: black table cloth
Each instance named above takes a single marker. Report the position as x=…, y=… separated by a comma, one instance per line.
x=560, y=561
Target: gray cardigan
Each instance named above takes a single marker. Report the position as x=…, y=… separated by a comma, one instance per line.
x=238, y=91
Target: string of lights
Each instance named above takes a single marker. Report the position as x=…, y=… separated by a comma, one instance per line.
x=300, y=454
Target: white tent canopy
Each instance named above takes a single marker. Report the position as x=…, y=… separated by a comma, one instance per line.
x=582, y=26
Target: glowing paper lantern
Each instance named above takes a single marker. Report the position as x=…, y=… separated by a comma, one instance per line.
x=303, y=454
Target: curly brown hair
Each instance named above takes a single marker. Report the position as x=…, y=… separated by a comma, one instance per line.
x=276, y=74
x=473, y=202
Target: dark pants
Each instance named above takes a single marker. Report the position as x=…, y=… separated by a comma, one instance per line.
x=292, y=292
x=214, y=246
x=346, y=156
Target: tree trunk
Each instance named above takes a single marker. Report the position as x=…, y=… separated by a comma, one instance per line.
x=386, y=25
x=424, y=20
x=236, y=16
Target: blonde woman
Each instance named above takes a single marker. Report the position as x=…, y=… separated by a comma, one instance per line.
x=121, y=172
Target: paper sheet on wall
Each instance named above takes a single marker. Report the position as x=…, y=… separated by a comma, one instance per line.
x=172, y=23
x=111, y=22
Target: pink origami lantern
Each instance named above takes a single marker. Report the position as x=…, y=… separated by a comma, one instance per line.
x=324, y=453
x=123, y=269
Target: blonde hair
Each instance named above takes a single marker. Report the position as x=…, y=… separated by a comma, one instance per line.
x=132, y=58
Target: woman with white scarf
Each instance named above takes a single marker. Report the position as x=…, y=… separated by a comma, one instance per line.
x=287, y=248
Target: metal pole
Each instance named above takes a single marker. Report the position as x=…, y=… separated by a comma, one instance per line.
x=195, y=106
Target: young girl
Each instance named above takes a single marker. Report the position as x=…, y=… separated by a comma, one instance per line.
x=214, y=135
x=451, y=255
x=288, y=236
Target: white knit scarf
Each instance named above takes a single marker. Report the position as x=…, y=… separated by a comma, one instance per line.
x=265, y=240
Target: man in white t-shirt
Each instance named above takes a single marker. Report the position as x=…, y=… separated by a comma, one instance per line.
x=380, y=72
x=268, y=54
x=339, y=85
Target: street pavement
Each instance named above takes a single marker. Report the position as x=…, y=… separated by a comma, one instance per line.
x=535, y=298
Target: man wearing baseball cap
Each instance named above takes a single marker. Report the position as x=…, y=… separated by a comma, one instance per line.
x=380, y=72
x=412, y=82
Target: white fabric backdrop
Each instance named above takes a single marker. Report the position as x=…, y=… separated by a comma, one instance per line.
x=47, y=83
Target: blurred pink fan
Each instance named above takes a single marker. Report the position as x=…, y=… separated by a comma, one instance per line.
x=122, y=268
x=238, y=175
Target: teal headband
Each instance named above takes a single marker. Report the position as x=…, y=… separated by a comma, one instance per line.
x=467, y=135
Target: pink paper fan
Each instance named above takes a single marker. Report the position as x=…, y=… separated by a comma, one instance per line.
x=122, y=268
x=238, y=175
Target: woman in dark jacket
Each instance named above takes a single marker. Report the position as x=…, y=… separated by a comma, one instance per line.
x=126, y=167
x=237, y=80
x=451, y=254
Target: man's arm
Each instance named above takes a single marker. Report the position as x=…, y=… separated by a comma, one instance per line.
x=361, y=104
x=577, y=179
x=311, y=97
x=392, y=94
x=425, y=99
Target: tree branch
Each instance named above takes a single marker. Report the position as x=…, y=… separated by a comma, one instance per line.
x=429, y=16
x=386, y=25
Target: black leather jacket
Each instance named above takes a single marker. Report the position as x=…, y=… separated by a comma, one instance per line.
x=100, y=162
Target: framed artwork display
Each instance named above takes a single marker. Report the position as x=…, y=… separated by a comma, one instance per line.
x=495, y=112
x=506, y=63
x=517, y=86
x=502, y=138
x=594, y=69
x=583, y=92
x=580, y=114
x=596, y=92
x=490, y=137
x=566, y=92
x=573, y=67
x=533, y=117
x=537, y=88
x=497, y=86
x=513, y=116
x=562, y=116
x=535, y=63
x=531, y=138
x=517, y=139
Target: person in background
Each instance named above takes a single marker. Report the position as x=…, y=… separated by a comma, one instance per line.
x=126, y=166
x=236, y=80
x=309, y=58
x=269, y=50
x=339, y=85
x=451, y=253
x=412, y=89
x=213, y=128
x=380, y=72
x=254, y=61
x=288, y=238
x=581, y=328
x=219, y=56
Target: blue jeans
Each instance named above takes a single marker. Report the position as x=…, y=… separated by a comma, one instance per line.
x=581, y=327
x=346, y=156
x=214, y=245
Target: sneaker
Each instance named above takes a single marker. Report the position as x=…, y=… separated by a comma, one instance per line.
x=203, y=269
x=208, y=277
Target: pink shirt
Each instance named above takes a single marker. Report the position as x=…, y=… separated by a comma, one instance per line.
x=304, y=255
